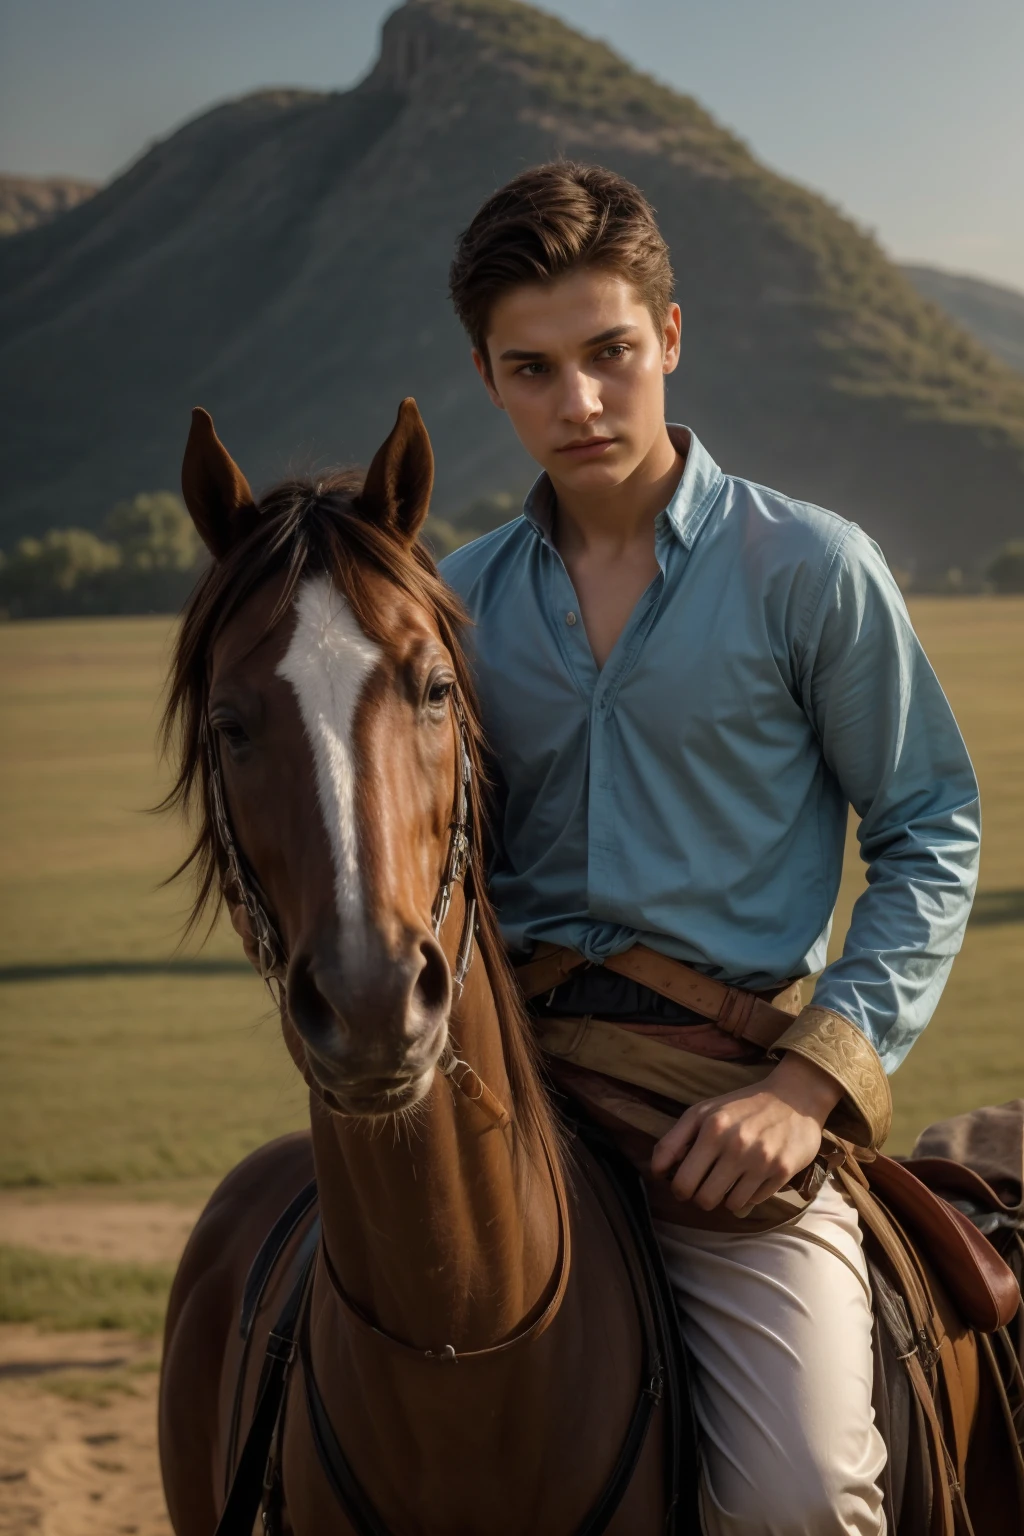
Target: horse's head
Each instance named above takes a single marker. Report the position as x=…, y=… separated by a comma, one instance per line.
x=317, y=686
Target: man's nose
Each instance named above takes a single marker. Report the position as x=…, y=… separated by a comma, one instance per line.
x=581, y=400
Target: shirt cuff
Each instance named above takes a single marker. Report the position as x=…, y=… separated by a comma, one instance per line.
x=864, y=1113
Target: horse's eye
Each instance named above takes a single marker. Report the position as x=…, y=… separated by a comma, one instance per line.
x=231, y=733
x=439, y=692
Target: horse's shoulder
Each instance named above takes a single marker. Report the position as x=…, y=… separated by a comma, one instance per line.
x=244, y=1207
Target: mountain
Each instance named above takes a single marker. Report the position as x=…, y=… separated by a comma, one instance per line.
x=994, y=315
x=29, y=200
x=283, y=261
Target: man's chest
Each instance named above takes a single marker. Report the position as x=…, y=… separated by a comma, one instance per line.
x=608, y=589
x=685, y=681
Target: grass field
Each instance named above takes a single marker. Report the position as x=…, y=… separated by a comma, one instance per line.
x=124, y=1064
x=73, y=1293
x=120, y=1060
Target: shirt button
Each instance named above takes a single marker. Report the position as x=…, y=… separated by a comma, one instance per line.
x=570, y=617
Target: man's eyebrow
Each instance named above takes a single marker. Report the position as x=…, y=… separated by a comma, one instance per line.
x=516, y=355
x=609, y=335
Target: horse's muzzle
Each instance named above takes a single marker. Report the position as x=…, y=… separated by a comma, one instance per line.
x=372, y=1032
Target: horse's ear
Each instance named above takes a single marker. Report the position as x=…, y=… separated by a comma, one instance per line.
x=216, y=492
x=396, y=492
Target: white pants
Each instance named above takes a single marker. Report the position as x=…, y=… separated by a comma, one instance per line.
x=778, y=1333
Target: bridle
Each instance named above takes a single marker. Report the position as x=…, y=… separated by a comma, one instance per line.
x=460, y=852
x=239, y=875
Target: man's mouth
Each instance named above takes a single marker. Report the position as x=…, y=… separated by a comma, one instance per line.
x=586, y=447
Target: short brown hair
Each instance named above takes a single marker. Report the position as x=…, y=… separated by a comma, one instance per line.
x=548, y=221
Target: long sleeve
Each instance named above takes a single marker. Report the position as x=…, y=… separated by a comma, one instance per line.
x=889, y=737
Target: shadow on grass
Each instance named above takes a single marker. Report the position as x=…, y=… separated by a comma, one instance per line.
x=11, y=1369
x=84, y=969
x=992, y=907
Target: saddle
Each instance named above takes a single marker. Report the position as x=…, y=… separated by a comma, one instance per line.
x=942, y=1232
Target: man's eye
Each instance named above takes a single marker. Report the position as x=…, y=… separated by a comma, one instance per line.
x=616, y=350
x=528, y=370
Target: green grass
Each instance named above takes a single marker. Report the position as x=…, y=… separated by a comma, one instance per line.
x=972, y=1052
x=66, y=1293
x=119, y=1069
x=141, y=1078
x=98, y=1390
x=107, y=1077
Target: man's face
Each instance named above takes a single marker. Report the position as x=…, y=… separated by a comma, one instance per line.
x=579, y=365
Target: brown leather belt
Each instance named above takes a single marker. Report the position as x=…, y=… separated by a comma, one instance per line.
x=745, y=1015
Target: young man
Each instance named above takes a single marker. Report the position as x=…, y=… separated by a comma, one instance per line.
x=685, y=680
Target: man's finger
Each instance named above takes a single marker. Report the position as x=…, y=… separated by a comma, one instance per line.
x=764, y=1191
x=746, y=1193
x=696, y=1165
x=673, y=1145
x=717, y=1186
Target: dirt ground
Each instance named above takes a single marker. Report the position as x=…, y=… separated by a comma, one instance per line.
x=78, y=1435
x=78, y=1450
x=149, y=1232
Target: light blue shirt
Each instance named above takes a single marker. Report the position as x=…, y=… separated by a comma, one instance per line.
x=692, y=794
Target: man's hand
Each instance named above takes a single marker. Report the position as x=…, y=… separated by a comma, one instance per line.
x=741, y=1148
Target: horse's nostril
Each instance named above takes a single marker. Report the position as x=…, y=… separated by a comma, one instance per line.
x=309, y=1003
x=434, y=983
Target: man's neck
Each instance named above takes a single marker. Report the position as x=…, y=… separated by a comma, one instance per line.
x=612, y=521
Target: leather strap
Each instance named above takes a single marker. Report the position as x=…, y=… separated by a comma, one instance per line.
x=346, y=1487
x=262, y=1266
x=949, y=1511
x=549, y=966
x=246, y=1492
x=742, y=1014
x=256, y=1282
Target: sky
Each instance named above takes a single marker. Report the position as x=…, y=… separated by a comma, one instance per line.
x=908, y=114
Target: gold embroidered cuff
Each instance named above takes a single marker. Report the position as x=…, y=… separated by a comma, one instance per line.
x=864, y=1113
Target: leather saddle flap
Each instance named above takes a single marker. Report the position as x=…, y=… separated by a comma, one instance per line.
x=980, y=1283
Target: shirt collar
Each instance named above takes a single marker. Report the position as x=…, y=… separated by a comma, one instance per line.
x=685, y=514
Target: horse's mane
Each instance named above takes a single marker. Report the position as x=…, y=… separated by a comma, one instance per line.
x=307, y=528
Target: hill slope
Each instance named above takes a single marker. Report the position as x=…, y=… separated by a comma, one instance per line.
x=994, y=315
x=26, y=201
x=283, y=260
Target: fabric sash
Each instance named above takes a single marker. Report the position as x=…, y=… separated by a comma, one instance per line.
x=596, y=1061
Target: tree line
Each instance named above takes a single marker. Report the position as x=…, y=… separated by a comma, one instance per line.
x=148, y=555
x=145, y=560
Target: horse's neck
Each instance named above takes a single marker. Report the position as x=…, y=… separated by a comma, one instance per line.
x=437, y=1229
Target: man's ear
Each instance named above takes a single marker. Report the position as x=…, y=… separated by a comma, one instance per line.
x=396, y=492
x=216, y=492
x=670, y=338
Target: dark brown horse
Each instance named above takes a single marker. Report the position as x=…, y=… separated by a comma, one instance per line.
x=472, y=1326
